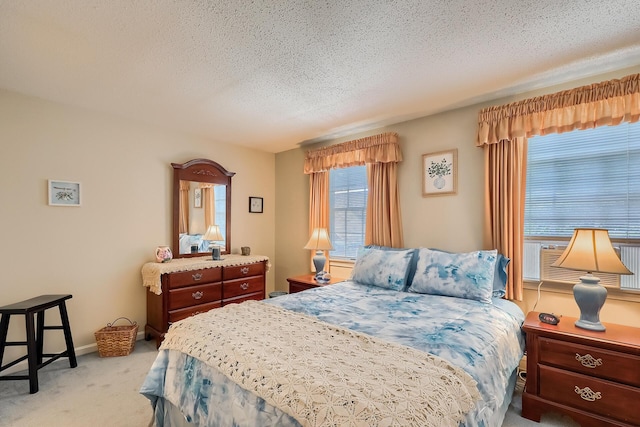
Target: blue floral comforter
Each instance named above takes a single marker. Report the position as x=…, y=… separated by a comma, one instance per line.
x=483, y=339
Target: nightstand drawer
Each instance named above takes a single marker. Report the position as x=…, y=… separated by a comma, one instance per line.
x=233, y=288
x=590, y=394
x=193, y=295
x=187, y=278
x=299, y=287
x=592, y=361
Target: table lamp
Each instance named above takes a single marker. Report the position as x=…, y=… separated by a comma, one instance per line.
x=213, y=235
x=319, y=242
x=590, y=250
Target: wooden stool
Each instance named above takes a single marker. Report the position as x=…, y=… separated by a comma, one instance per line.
x=35, y=338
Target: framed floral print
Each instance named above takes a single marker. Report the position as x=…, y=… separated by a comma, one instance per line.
x=197, y=198
x=64, y=193
x=255, y=204
x=440, y=173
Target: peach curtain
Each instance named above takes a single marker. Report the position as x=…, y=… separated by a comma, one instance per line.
x=384, y=223
x=503, y=132
x=605, y=103
x=383, y=148
x=505, y=186
x=384, y=219
x=208, y=201
x=183, y=211
x=318, y=206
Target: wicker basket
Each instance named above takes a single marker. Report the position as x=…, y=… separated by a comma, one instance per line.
x=116, y=340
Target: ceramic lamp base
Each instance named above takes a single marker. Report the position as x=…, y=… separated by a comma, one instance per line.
x=319, y=261
x=590, y=297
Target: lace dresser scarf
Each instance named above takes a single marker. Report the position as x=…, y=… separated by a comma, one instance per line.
x=152, y=271
x=325, y=375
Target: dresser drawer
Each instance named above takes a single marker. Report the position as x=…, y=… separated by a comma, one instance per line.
x=239, y=271
x=183, y=313
x=194, y=295
x=590, y=394
x=188, y=278
x=236, y=300
x=593, y=361
x=234, y=288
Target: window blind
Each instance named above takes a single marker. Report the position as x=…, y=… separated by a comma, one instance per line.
x=588, y=178
x=348, y=193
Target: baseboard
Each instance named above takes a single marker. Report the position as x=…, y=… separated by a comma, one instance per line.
x=80, y=351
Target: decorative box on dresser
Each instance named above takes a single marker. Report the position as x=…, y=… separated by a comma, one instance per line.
x=593, y=377
x=307, y=281
x=188, y=286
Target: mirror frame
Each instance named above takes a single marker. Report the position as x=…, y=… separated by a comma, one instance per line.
x=199, y=170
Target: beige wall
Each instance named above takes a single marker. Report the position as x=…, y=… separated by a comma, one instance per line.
x=96, y=251
x=448, y=222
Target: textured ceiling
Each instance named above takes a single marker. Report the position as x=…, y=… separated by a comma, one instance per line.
x=274, y=74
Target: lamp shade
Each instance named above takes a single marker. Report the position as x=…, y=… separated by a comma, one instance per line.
x=213, y=234
x=590, y=249
x=319, y=240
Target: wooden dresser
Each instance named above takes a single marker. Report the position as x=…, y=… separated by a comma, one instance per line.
x=594, y=377
x=212, y=284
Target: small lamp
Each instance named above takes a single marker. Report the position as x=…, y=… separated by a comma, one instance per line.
x=213, y=234
x=590, y=250
x=319, y=242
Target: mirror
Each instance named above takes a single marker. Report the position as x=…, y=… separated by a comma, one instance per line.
x=201, y=198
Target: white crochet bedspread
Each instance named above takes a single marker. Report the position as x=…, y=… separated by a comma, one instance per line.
x=324, y=375
x=152, y=271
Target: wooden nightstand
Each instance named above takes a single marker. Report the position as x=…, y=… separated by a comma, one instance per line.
x=304, y=282
x=594, y=377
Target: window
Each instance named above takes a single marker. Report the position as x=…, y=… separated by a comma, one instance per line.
x=347, y=210
x=588, y=178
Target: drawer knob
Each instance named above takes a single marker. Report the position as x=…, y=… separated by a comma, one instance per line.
x=197, y=276
x=244, y=270
x=588, y=394
x=588, y=361
x=197, y=295
x=244, y=286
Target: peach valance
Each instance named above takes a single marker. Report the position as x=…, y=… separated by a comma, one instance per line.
x=599, y=104
x=383, y=148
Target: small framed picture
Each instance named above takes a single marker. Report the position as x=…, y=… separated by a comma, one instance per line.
x=197, y=198
x=64, y=193
x=255, y=204
x=440, y=173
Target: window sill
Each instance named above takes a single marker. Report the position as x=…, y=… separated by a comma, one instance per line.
x=563, y=288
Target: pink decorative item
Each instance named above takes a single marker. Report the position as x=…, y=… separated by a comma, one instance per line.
x=163, y=254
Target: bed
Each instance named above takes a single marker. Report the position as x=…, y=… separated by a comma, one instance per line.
x=415, y=337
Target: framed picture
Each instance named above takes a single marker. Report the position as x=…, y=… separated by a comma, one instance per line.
x=197, y=197
x=440, y=173
x=255, y=204
x=64, y=193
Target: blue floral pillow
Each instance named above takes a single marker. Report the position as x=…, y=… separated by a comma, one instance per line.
x=463, y=275
x=500, y=276
x=412, y=264
x=383, y=268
